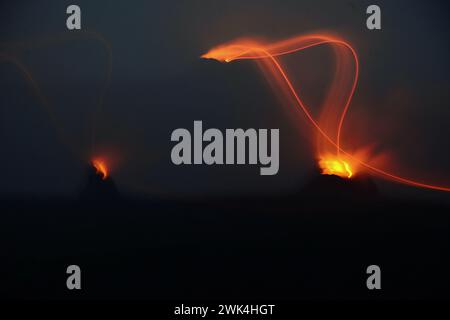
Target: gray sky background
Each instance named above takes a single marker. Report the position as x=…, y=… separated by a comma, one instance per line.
x=159, y=84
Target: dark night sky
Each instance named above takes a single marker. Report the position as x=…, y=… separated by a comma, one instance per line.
x=159, y=84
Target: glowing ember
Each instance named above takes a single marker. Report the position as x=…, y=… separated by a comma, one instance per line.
x=100, y=167
x=336, y=167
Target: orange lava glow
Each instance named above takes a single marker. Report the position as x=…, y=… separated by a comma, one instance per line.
x=328, y=127
x=100, y=168
x=336, y=167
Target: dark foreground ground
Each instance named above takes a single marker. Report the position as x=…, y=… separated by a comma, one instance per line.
x=315, y=244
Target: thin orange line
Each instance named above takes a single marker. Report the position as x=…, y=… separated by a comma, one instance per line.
x=344, y=112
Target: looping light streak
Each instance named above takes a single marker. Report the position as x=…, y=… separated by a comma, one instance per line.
x=335, y=108
x=9, y=54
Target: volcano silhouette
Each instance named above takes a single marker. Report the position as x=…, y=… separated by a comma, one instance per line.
x=332, y=186
x=98, y=188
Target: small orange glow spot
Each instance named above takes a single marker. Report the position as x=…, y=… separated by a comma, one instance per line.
x=101, y=168
x=336, y=167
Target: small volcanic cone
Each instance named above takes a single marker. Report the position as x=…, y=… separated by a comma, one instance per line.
x=100, y=186
x=340, y=185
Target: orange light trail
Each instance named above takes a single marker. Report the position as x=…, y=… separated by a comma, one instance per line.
x=9, y=54
x=331, y=122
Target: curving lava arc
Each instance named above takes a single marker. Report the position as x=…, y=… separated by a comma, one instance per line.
x=332, y=157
